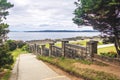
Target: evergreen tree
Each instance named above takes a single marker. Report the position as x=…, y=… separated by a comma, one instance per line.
x=4, y=6
x=5, y=57
x=103, y=15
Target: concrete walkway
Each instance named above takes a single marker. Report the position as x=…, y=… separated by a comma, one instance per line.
x=28, y=67
x=105, y=45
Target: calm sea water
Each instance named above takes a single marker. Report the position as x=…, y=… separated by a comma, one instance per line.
x=25, y=36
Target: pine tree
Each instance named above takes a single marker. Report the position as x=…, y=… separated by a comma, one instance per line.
x=103, y=15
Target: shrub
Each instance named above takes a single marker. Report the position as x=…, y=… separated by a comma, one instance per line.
x=25, y=48
x=111, y=54
x=15, y=44
x=12, y=45
x=107, y=40
x=20, y=44
x=6, y=58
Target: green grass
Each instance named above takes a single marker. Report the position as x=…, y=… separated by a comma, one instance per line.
x=17, y=52
x=68, y=65
x=58, y=44
x=83, y=42
x=47, y=45
x=100, y=43
x=106, y=49
x=79, y=42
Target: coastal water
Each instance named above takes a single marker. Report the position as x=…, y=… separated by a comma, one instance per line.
x=25, y=36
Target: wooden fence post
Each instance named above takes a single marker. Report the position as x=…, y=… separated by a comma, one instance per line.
x=42, y=49
x=50, y=48
x=63, y=47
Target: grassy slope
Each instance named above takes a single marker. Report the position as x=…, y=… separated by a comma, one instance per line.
x=107, y=49
x=17, y=52
x=87, y=74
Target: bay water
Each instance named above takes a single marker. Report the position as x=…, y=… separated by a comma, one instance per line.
x=26, y=36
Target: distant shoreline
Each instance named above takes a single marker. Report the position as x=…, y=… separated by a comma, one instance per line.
x=26, y=36
x=59, y=31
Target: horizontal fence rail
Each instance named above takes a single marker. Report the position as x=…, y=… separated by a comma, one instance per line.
x=56, y=51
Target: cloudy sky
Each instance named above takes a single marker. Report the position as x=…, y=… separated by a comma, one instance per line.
x=42, y=15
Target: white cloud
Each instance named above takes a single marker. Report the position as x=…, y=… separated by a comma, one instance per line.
x=20, y=2
x=41, y=14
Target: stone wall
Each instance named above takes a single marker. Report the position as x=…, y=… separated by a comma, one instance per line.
x=88, y=52
x=67, y=50
x=75, y=51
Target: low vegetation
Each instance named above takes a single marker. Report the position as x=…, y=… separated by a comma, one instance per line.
x=59, y=44
x=6, y=75
x=108, y=52
x=107, y=49
x=83, y=42
x=79, y=42
x=6, y=59
x=68, y=65
x=17, y=52
x=8, y=54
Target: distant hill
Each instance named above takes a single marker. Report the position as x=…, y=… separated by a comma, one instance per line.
x=63, y=31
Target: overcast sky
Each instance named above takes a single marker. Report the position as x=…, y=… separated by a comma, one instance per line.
x=42, y=15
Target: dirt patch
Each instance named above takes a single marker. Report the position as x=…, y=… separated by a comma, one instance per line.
x=108, y=69
x=61, y=72
x=2, y=74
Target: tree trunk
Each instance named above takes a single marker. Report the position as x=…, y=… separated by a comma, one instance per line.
x=116, y=37
x=117, y=45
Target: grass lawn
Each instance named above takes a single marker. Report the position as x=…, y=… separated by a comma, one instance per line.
x=87, y=74
x=83, y=42
x=106, y=49
x=79, y=42
x=58, y=44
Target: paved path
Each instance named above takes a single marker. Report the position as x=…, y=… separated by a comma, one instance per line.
x=29, y=68
x=105, y=45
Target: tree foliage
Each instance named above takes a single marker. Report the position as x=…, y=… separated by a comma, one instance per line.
x=103, y=15
x=12, y=45
x=4, y=6
x=15, y=44
x=5, y=57
x=20, y=44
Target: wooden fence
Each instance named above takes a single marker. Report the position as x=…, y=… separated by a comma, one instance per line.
x=88, y=52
